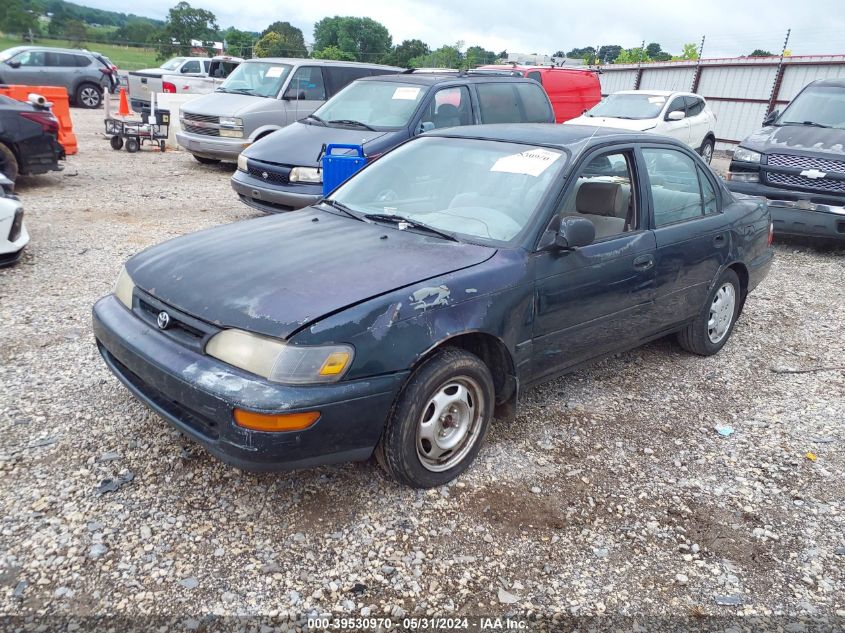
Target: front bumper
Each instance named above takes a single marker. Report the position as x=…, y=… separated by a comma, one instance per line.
x=196, y=394
x=11, y=250
x=799, y=213
x=273, y=199
x=220, y=148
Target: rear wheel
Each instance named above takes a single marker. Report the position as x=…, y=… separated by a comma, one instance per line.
x=132, y=145
x=711, y=329
x=438, y=423
x=8, y=163
x=89, y=96
x=706, y=150
x=206, y=161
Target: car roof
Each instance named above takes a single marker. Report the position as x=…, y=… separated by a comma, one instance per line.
x=77, y=51
x=830, y=83
x=434, y=78
x=315, y=62
x=656, y=93
x=573, y=137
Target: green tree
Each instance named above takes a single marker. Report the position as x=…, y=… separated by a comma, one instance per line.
x=136, y=31
x=58, y=21
x=443, y=57
x=631, y=56
x=76, y=33
x=185, y=23
x=333, y=52
x=292, y=40
x=239, y=43
x=403, y=53
x=15, y=18
x=608, y=54
x=759, y=52
x=690, y=51
x=478, y=56
x=366, y=39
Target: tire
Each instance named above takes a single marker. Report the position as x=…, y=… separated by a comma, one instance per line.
x=8, y=163
x=132, y=145
x=706, y=150
x=420, y=448
x=116, y=142
x=206, y=161
x=88, y=96
x=713, y=327
x=162, y=145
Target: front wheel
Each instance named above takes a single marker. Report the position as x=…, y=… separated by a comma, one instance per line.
x=132, y=145
x=706, y=150
x=711, y=329
x=439, y=421
x=8, y=163
x=116, y=142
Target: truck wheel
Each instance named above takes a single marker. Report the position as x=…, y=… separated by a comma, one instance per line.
x=116, y=142
x=132, y=145
x=8, y=163
x=88, y=96
x=206, y=161
x=436, y=427
x=711, y=329
x=706, y=150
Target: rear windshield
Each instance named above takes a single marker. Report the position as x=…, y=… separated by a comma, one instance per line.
x=173, y=64
x=819, y=106
x=629, y=106
x=380, y=104
x=258, y=79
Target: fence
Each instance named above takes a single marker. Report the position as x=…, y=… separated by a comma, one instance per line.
x=740, y=91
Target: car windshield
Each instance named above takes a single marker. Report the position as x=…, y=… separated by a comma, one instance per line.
x=173, y=64
x=9, y=53
x=479, y=190
x=259, y=79
x=381, y=104
x=629, y=106
x=822, y=106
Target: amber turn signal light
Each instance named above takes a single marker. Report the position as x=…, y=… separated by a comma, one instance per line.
x=275, y=421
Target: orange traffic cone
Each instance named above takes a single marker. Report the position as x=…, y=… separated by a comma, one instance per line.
x=123, y=110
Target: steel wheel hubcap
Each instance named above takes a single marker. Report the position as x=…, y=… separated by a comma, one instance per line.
x=90, y=96
x=721, y=312
x=449, y=425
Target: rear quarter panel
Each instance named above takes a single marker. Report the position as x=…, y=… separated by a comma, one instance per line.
x=571, y=93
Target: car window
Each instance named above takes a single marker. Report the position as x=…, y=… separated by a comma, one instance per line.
x=206, y=64
x=605, y=194
x=694, y=106
x=708, y=194
x=499, y=103
x=536, y=76
x=678, y=103
x=192, y=66
x=82, y=60
x=675, y=188
x=31, y=58
x=450, y=107
x=337, y=77
x=535, y=102
x=307, y=82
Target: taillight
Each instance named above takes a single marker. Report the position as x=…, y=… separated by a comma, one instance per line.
x=105, y=70
x=771, y=233
x=166, y=86
x=46, y=120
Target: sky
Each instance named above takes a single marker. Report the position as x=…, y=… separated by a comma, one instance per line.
x=731, y=28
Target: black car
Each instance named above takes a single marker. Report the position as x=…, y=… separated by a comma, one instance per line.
x=403, y=312
x=28, y=139
x=281, y=172
x=797, y=162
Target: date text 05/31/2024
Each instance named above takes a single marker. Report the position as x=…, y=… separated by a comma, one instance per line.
x=417, y=624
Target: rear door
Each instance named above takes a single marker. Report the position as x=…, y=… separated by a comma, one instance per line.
x=699, y=121
x=338, y=77
x=676, y=129
x=513, y=102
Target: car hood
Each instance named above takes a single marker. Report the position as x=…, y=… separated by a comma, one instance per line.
x=301, y=143
x=797, y=137
x=228, y=104
x=636, y=125
x=277, y=274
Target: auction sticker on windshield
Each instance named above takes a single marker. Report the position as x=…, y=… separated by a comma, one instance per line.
x=530, y=163
x=406, y=93
x=274, y=71
x=657, y=99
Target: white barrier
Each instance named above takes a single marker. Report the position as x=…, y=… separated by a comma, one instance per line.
x=172, y=103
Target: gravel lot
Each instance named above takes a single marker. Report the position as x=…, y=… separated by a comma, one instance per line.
x=611, y=494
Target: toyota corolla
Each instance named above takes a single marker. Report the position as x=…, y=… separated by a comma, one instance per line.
x=411, y=306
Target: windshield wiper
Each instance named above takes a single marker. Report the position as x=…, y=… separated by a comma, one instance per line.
x=334, y=204
x=807, y=123
x=398, y=219
x=353, y=123
x=314, y=117
x=239, y=91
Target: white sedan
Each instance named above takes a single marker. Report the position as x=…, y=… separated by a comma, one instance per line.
x=13, y=235
x=682, y=115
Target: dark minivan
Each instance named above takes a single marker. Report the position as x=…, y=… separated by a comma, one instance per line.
x=282, y=171
x=797, y=162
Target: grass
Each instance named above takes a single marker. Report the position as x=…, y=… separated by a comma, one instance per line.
x=124, y=57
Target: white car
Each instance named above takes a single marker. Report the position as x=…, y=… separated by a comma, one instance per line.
x=13, y=235
x=682, y=115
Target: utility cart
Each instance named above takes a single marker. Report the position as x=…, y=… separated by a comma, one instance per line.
x=153, y=128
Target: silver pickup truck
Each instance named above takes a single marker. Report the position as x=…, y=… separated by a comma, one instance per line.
x=143, y=82
x=220, y=68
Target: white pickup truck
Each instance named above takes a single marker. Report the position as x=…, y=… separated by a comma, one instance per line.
x=143, y=82
x=220, y=68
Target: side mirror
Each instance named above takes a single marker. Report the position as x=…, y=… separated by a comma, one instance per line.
x=574, y=232
x=771, y=117
x=14, y=63
x=676, y=115
x=292, y=94
x=425, y=126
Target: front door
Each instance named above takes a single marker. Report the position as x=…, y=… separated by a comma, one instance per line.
x=596, y=299
x=305, y=92
x=676, y=129
x=31, y=69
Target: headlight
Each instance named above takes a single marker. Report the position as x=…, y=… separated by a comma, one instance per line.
x=278, y=361
x=123, y=288
x=746, y=155
x=230, y=133
x=231, y=121
x=242, y=162
x=306, y=174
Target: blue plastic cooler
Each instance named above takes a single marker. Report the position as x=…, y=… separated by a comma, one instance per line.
x=339, y=167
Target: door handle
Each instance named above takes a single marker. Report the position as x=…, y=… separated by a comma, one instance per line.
x=719, y=240
x=643, y=262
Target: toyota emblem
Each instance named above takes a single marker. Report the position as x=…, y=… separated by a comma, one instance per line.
x=265, y=175
x=163, y=320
